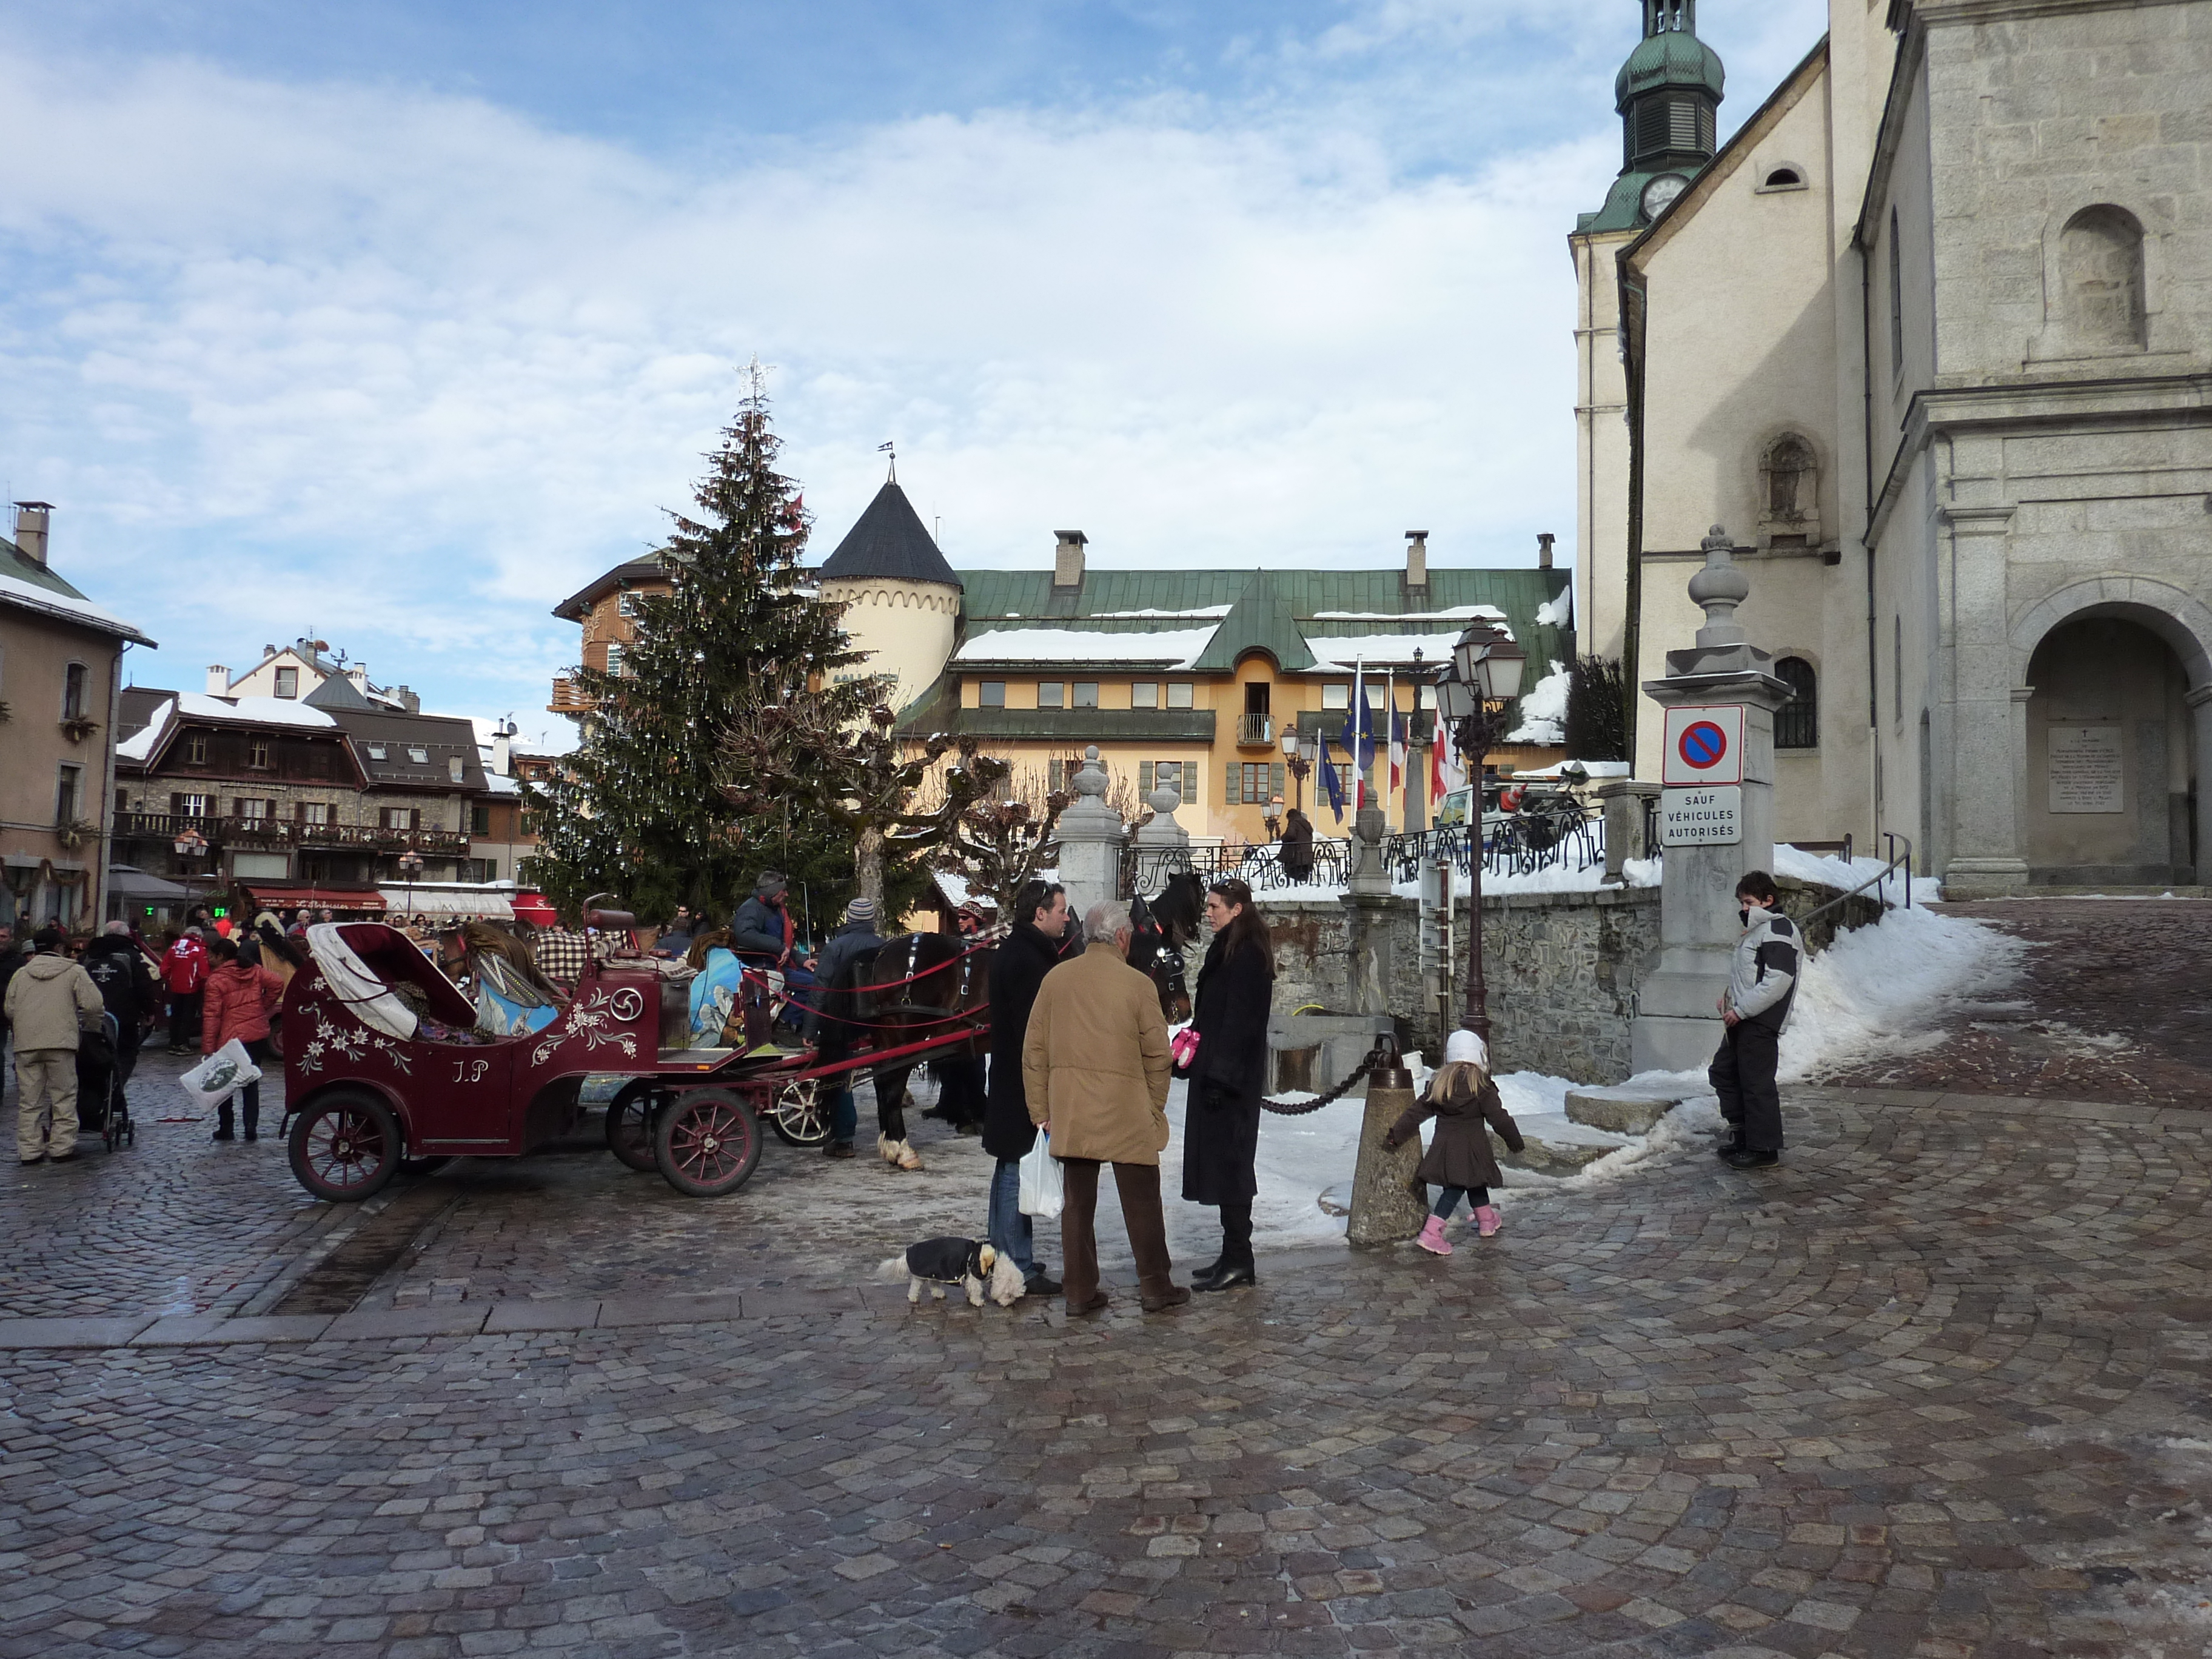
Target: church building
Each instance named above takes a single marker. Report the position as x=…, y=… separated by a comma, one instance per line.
x=1930, y=337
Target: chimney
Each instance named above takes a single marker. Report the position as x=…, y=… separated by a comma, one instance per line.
x=31, y=520
x=218, y=684
x=1544, y=541
x=407, y=700
x=502, y=749
x=359, y=675
x=1417, y=559
x=1068, y=559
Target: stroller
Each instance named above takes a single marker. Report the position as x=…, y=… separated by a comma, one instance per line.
x=101, y=1107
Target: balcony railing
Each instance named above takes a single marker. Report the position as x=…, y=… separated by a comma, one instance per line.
x=1255, y=732
x=568, y=699
x=282, y=832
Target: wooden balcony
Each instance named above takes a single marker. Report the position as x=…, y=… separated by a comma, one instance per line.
x=282, y=832
x=568, y=699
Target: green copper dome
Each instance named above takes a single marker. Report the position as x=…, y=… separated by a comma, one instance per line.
x=1673, y=58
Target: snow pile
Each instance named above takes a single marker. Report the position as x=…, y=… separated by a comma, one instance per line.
x=1176, y=647
x=1875, y=985
x=1847, y=874
x=1544, y=709
x=1556, y=613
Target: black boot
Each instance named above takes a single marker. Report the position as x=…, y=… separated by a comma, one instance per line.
x=222, y=1122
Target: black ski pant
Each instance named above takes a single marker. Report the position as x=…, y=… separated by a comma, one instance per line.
x=1742, y=1075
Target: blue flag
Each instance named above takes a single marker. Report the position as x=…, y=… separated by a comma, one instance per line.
x=1359, y=744
x=1332, y=786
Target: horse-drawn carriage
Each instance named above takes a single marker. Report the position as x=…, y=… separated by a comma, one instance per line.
x=388, y=1064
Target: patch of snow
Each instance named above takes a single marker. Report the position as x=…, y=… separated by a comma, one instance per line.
x=1172, y=647
x=1458, y=613
x=258, y=711
x=32, y=596
x=1544, y=709
x=1874, y=984
x=1345, y=653
x=1590, y=768
x=1557, y=613
x=1215, y=611
x=139, y=745
x=1832, y=872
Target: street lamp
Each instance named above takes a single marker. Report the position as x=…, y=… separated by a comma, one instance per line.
x=1297, y=762
x=1473, y=694
x=410, y=866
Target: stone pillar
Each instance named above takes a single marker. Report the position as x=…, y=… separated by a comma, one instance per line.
x=1678, y=1026
x=1388, y=1202
x=1988, y=731
x=1625, y=802
x=1367, y=917
x=1369, y=874
x=1090, y=837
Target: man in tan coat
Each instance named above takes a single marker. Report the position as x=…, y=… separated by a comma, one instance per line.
x=1094, y=1068
x=49, y=1000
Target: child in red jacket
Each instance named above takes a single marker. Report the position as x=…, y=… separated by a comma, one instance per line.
x=241, y=995
x=184, y=975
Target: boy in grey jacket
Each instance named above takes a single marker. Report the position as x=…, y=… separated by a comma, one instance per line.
x=1762, y=986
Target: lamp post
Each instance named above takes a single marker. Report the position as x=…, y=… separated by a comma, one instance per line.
x=410, y=866
x=1473, y=693
x=1297, y=762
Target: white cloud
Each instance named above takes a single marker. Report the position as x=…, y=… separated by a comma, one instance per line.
x=410, y=368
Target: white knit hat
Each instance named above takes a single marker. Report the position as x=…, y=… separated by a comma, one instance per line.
x=1464, y=1047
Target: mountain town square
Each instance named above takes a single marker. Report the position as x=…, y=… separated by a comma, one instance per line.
x=644, y=1015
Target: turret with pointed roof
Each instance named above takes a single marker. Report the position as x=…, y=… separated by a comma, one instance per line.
x=901, y=599
x=888, y=543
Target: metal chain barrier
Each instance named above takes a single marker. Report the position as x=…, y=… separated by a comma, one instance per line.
x=1299, y=1109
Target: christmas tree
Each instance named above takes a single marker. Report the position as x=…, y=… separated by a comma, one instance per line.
x=640, y=811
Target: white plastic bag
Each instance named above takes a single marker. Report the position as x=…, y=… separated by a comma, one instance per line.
x=1043, y=1195
x=221, y=1075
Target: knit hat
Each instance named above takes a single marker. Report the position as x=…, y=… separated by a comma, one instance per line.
x=861, y=910
x=1463, y=1047
x=771, y=881
x=48, y=937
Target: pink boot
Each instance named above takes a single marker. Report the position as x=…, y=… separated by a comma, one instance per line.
x=1486, y=1222
x=1432, y=1237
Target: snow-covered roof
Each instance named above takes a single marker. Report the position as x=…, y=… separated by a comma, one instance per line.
x=67, y=606
x=1341, y=654
x=1458, y=613
x=499, y=784
x=1215, y=611
x=259, y=711
x=1172, y=647
x=139, y=745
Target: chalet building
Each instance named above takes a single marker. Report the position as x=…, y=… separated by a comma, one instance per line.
x=284, y=801
x=603, y=610
x=300, y=669
x=60, y=674
x=501, y=842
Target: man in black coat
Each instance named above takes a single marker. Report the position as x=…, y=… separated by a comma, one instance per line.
x=118, y=968
x=1030, y=951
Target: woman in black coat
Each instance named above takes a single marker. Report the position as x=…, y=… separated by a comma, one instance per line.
x=1221, y=1122
x=1030, y=950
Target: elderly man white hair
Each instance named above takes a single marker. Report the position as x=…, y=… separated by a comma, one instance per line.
x=1105, y=922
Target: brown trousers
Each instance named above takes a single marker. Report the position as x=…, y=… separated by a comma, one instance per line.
x=1139, y=1187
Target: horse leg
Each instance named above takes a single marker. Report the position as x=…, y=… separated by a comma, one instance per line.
x=891, y=1143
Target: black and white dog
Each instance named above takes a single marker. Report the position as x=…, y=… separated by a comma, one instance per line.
x=967, y=1262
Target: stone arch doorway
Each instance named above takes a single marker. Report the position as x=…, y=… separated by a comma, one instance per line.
x=2115, y=737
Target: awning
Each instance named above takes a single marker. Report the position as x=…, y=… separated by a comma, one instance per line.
x=125, y=881
x=315, y=898
x=444, y=902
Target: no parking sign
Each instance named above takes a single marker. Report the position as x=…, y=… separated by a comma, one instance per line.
x=1705, y=745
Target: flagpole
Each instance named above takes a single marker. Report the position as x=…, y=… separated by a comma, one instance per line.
x=1390, y=740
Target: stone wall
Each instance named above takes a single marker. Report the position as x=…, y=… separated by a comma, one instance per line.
x=1562, y=970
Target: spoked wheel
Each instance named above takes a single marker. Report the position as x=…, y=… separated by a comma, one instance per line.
x=345, y=1147
x=630, y=1122
x=801, y=1114
x=706, y=1142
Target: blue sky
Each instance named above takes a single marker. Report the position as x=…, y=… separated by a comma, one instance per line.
x=398, y=322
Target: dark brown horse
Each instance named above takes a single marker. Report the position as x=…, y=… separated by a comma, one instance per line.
x=921, y=986
x=1164, y=926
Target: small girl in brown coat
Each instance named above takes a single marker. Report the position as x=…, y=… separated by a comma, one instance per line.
x=1459, y=1159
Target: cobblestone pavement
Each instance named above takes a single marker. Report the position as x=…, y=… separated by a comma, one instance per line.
x=1935, y=1387
x=2115, y=1004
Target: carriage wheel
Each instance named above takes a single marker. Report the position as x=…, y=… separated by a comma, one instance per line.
x=630, y=1122
x=345, y=1147
x=801, y=1114
x=707, y=1143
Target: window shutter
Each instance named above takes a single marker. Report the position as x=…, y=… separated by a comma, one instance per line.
x=1274, y=780
x=1232, y=792
x=1144, y=778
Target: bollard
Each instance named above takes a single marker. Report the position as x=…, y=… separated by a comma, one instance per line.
x=1388, y=1203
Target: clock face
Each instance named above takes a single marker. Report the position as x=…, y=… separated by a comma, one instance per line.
x=1660, y=192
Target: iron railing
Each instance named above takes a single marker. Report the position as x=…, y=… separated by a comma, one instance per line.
x=1255, y=730
x=285, y=832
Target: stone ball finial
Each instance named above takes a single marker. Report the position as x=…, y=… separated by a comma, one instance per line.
x=1091, y=778
x=1718, y=589
x=1165, y=799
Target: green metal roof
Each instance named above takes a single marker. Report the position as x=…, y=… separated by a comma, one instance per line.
x=1083, y=724
x=1672, y=58
x=1260, y=620
x=16, y=566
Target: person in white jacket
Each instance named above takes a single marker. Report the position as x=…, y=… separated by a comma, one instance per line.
x=1762, y=985
x=49, y=1001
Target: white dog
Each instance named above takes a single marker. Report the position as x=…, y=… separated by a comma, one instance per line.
x=938, y=1262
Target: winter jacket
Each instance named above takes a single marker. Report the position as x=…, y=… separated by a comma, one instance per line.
x=1095, y=1061
x=1297, y=854
x=1459, y=1153
x=184, y=968
x=1221, y=1125
x=840, y=959
x=946, y=1261
x=1763, y=976
x=50, y=1001
x=760, y=930
x=118, y=968
x=1017, y=971
x=238, y=1003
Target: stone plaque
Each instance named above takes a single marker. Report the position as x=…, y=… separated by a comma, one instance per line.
x=2088, y=773
x=1701, y=818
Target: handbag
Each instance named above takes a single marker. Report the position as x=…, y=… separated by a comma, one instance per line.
x=1182, y=1049
x=221, y=1075
x=1044, y=1193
